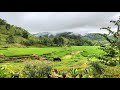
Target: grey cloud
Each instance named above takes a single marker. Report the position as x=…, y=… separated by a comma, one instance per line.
x=81, y=22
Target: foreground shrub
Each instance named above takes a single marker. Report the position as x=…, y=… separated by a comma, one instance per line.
x=37, y=70
x=112, y=48
x=111, y=72
x=2, y=73
x=5, y=72
x=96, y=69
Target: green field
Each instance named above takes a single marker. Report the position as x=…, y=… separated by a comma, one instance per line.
x=71, y=57
x=40, y=51
x=68, y=60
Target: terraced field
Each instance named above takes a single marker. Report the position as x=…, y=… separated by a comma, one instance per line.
x=75, y=56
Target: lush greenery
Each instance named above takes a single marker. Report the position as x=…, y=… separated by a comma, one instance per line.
x=36, y=70
x=64, y=55
x=71, y=57
x=112, y=49
x=13, y=36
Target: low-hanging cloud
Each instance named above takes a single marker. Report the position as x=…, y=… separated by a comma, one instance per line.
x=80, y=22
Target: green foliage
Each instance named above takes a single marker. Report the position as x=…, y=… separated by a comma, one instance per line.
x=74, y=72
x=78, y=61
x=11, y=39
x=94, y=70
x=64, y=39
x=111, y=72
x=112, y=49
x=10, y=34
x=37, y=70
x=98, y=69
x=2, y=74
x=59, y=41
x=7, y=26
x=25, y=34
x=3, y=22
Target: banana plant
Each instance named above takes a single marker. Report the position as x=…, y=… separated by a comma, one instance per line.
x=74, y=72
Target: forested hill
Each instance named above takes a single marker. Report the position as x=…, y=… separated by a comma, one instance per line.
x=69, y=38
x=14, y=36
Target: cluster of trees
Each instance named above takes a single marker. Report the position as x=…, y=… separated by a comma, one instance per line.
x=64, y=39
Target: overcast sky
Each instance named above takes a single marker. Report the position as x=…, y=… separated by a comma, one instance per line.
x=79, y=22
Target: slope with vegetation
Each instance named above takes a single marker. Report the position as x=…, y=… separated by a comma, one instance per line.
x=13, y=36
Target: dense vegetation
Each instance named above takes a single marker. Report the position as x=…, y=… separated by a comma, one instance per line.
x=112, y=49
x=64, y=55
x=13, y=36
x=69, y=39
x=74, y=56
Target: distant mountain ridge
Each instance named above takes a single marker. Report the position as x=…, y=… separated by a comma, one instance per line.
x=48, y=33
x=42, y=34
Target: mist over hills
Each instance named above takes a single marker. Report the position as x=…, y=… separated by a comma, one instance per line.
x=14, y=36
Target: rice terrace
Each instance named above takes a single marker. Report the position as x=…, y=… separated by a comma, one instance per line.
x=59, y=55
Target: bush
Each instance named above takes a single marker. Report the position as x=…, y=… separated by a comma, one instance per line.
x=4, y=73
x=96, y=68
x=110, y=62
x=37, y=70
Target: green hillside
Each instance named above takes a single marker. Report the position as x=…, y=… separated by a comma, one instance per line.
x=13, y=36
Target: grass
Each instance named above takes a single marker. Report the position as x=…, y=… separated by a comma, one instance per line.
x=59, y=51
x=76, y=60
x=28, y=51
